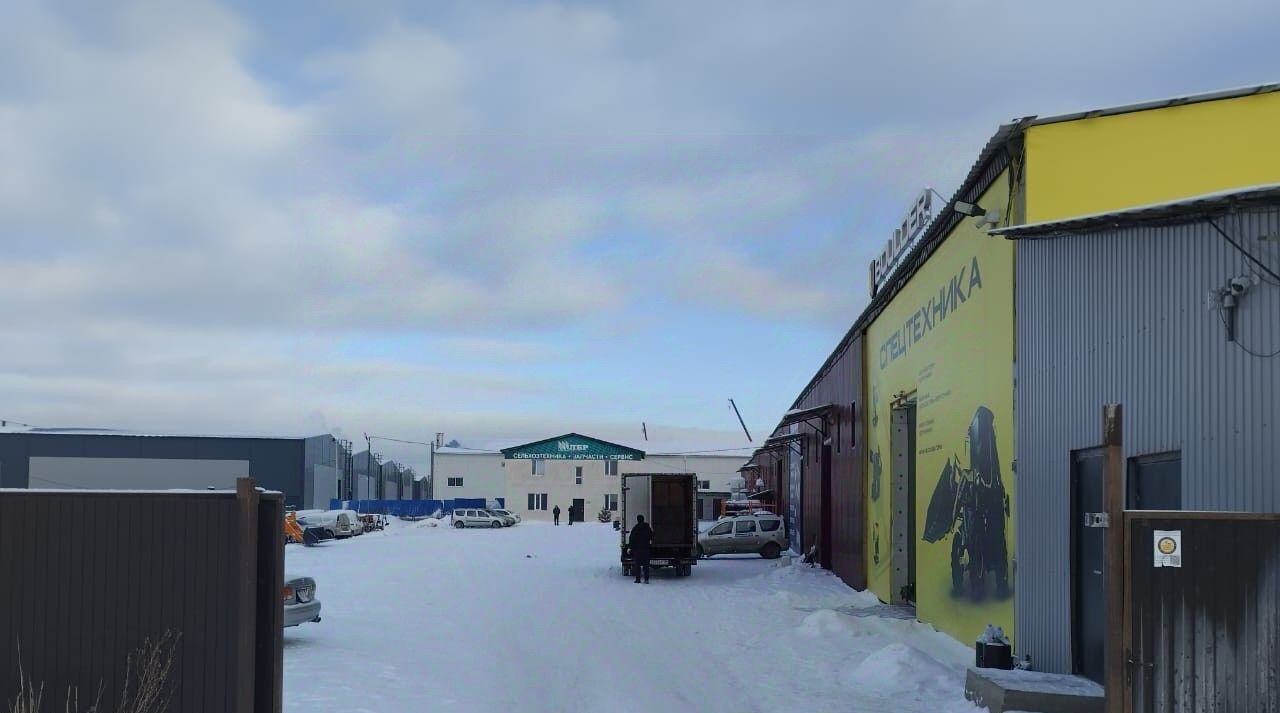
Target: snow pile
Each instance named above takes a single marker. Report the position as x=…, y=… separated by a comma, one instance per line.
x=803, y=586
x=898, y=669
x=825, y=623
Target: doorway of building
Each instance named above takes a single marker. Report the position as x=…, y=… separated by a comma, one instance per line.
x=824, y=541
x=1088, y=551
x=576, y=510
x=1155, y=482
x=902, y=504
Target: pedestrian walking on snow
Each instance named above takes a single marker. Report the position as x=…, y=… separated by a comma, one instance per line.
x=641, y=543
x=555, y=513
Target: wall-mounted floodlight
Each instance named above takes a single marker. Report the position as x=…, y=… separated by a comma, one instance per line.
x=985, y=217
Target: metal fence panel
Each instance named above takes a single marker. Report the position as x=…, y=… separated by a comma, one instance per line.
x=89, y=577
x=1204, y=634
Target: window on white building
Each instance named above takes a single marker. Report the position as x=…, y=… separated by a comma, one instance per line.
x=611, y=501
x=611, y=467
x=539, y=467
x=455, y=482
x=704, y=484
x=537, y=501
x=577, y=475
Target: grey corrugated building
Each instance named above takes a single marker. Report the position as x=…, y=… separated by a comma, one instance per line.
x=306, y=469
x=367, y=468
x=1153, y=308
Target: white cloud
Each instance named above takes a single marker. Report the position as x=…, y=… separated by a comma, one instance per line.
x=723, y=278
x=407, y=80
x=193, y=196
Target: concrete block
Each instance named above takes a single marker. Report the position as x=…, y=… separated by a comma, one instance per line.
x=1032, y=692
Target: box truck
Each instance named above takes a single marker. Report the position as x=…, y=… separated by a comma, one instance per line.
x=669, y=504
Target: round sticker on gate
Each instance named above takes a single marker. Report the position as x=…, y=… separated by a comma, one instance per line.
x=1167, y=548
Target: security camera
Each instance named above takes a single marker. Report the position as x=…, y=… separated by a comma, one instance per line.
x=1240, y=285
x=991, y=217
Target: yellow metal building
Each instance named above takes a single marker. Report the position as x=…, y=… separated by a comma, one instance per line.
x=940, y=342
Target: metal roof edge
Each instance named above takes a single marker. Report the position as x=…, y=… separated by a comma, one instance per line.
x=1186, y=209
x=153, y=434
x=1160, y=103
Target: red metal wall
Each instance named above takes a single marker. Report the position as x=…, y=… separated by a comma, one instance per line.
x=841, y=386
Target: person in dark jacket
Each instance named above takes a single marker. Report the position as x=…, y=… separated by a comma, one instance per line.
x=555, y=513
x=641, y=543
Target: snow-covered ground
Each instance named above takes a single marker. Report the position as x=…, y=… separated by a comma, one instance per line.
x=539, y=618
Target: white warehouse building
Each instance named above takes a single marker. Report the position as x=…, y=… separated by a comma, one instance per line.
x=574, y=472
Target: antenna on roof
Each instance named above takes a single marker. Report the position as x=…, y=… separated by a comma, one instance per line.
x=744, y=423
x=645, y=429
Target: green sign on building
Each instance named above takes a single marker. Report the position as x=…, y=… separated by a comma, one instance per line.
x=572, y=446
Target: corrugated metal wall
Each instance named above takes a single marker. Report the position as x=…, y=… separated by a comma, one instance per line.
x=90, y=576
x=840, y=385
x=1120, y=316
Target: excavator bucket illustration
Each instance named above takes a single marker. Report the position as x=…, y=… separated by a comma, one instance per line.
x=942, y=506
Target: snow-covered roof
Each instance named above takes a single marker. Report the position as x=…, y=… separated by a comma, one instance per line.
x=123, y=491
x=157, y=434
x=691, y=448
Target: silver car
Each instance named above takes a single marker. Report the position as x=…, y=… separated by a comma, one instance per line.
x=472, y=517
x=509, y=517
x=300, y=603
x=760, y=533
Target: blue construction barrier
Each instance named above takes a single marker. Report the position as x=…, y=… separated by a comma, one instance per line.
x=395, y=508
x=411, y=508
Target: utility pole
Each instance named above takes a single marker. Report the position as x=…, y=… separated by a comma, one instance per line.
x=368, y=462
x=740, y=421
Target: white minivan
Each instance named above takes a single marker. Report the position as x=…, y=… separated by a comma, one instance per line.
x=353, y=517
x=472, y=517
x=337, y=523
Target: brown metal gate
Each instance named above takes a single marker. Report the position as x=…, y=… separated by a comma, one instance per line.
x=1203, y=637
x=88, y=577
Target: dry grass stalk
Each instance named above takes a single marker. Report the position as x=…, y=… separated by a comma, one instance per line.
x=29, y=697
x=145, y=690
x=153, y=662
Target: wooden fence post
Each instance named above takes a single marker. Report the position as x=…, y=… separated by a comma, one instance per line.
x=1114, y=497
x=246, y=606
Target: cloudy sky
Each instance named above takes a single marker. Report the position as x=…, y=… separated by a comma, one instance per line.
x=500, y=219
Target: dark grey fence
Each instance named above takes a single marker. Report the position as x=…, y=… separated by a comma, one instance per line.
x=87, y=578
x=1204, y=636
